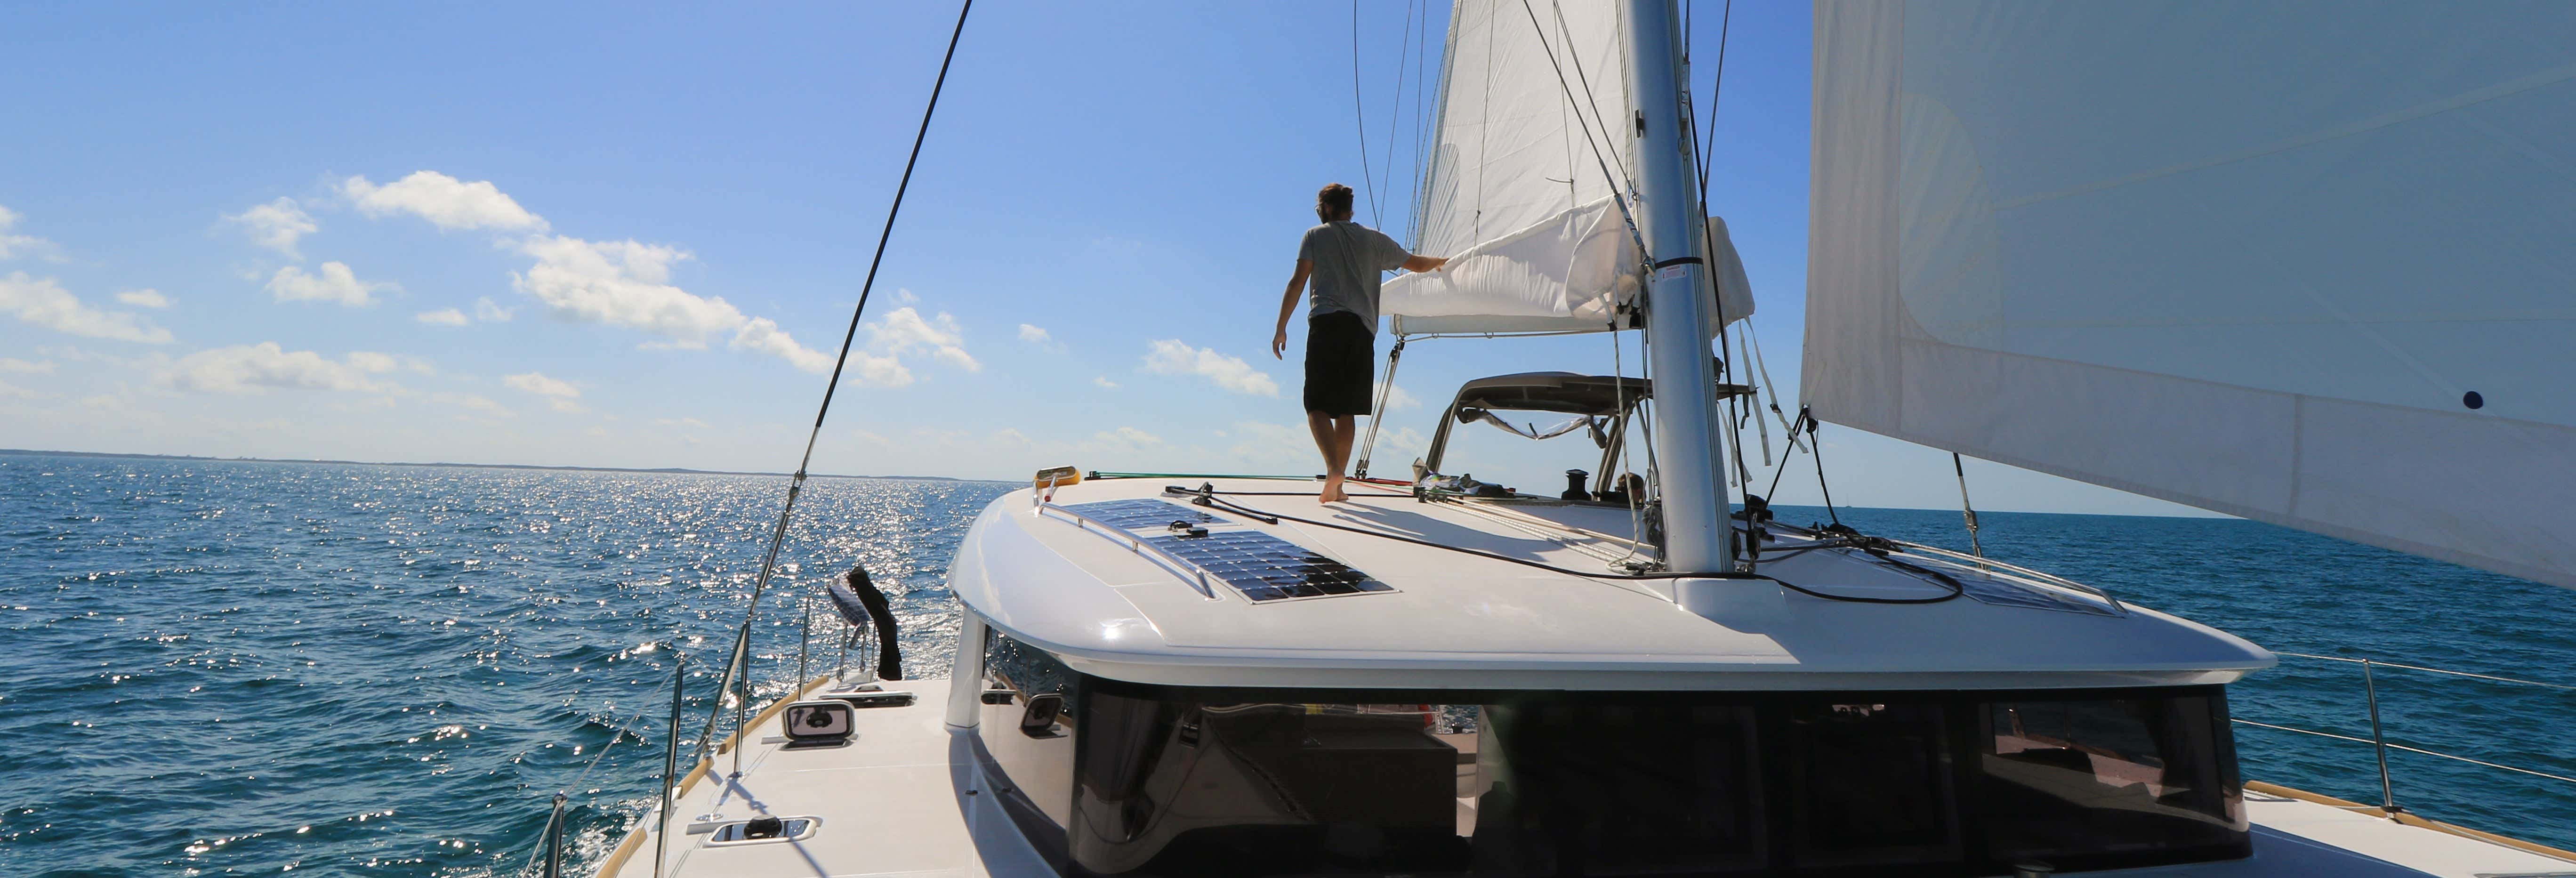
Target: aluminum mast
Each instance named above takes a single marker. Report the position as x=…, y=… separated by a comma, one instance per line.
x=1696, y=537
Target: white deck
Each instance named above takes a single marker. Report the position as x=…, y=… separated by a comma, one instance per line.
x=1459, y=619
x=904, y=799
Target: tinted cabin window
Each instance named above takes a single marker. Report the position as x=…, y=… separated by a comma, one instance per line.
x=1033, y=763
x=2072, y=780
x=1184, y=781
x=1871, y=784
x=1536, y=786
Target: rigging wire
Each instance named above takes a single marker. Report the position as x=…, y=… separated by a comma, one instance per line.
x=1591, y=103
x=796, y=483
x=1360, y=113
x=1709, y=136
x=1619, y=182
x=1395, y=107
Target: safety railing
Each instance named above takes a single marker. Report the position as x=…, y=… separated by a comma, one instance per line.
x=2378, y=739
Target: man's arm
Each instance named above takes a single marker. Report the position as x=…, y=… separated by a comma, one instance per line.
x=1288, y=305
x=1424, y=263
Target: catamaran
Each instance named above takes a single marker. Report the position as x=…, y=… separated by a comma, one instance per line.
x=2292, y=262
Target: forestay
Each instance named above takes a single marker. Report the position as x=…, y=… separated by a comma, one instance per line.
x=2308, y=263
x=1521, y=187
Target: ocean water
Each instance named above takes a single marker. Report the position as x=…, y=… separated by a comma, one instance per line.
x=218, y=668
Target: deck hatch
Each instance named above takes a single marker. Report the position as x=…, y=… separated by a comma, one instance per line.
x=1998, y=593
x=1264, y=568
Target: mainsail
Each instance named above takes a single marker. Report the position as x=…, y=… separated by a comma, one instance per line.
x=2307, y=263
x=1522, y=185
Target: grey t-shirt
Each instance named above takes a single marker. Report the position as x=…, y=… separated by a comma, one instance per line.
x=1348, y=260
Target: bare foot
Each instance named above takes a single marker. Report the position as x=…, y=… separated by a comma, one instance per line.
x=1332, y=492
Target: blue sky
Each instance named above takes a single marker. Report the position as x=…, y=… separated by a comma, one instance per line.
x=632, y=236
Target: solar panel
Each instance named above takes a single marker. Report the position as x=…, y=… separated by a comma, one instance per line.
x=1265, y=568
x=1140, y=516
x=1261, y=567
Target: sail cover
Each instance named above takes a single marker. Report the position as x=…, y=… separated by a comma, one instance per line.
x=1521, y=178
x=2311, y=263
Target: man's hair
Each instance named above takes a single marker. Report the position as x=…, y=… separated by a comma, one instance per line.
x=1333, y=202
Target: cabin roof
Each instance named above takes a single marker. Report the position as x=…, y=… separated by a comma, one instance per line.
x=1454, y=620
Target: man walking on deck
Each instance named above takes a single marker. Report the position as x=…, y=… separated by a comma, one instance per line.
x=1344, y=260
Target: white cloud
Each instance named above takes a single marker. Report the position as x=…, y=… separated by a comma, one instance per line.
x=679, y=422
x=627, y=284
x=1122, y=440
x=1264, y=443
x=373, y=363
x=1396, y=399
x=473, y=403
x=276, y=225
x=11, y=390
x=1103, y=380
x=871, y=438
x=905, y=297
x=336, y=283
x=445, y=201
x=537, y=383
x=559, y=393
x=763, y=335
x=260, y=367
x=1033, y=334
x=43, y=302
x=880, y=371
x=144, y=298
x=35, y=367
x=905, y=331
x=16, y=246
x=1008, y=436
x=485, y=310
x=1173, y=357
x=1403, y=439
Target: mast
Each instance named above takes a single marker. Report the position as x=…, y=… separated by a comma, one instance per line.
x=1696, y=537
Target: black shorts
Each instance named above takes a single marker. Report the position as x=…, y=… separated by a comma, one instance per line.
x=1341, y=361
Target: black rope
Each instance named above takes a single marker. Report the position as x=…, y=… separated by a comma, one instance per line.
x=796, y=484
x=1783, y=469
x=1816, y=446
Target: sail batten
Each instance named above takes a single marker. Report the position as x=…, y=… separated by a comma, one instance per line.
x=2311, y=264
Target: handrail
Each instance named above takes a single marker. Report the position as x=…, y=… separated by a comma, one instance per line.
x=1191, y=573
x=2557, y=777
x=2378, y=737
x=2378, y=663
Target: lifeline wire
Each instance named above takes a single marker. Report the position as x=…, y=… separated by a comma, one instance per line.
x=795, y=485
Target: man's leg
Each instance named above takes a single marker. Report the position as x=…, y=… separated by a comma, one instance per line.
x=1321, y=425
x=1337, y=454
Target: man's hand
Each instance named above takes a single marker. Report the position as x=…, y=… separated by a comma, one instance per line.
x=1288, y=305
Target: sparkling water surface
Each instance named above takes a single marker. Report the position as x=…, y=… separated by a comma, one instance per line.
x=219, y=668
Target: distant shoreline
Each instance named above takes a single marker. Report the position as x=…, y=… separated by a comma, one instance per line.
x=27, y=452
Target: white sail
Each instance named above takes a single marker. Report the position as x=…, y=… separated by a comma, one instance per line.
x=2311, y=263
x=1519, y=189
